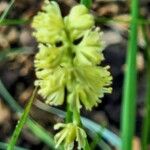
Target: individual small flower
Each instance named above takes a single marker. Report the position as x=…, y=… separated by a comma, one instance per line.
x=89, y=50
x=48, y=23
x=52, y=85
x=78, y=21
x=48, y=57
x=92, y=84
x=69, y=134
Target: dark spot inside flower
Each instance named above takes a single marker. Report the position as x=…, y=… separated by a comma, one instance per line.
x=40, y=69
x=44, y=44
x=77, y=41
x=93, y=29
x=73, y=55
x=59, y=44
x=61, y=66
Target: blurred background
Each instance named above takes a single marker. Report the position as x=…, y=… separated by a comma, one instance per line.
x=17, y=51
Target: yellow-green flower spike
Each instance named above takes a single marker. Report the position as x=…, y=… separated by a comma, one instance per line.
x=67, y=66
x=69, y=57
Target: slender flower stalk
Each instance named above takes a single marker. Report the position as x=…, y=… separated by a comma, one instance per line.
x=67, y=67
x=129, y=93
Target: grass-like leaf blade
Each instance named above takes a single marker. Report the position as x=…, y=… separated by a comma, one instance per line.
x=130, y=82
x=7, y=22
x=4, y=14
x=21, y=122
x=3, y=146
x=92, y=126
x=38, y=130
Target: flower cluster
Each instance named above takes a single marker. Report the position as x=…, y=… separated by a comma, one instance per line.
x=70, y=52
x=70, y=133
x=68, y=62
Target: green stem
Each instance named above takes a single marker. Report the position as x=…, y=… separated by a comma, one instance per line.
x=68, y=117
x=129, y=93
x=87, y=3
x=77, y=120
x=76, y=117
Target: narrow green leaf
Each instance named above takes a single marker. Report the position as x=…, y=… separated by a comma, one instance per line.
x=21, y=122
x=87, y=123
x=9, y=99
x=3, y=146
x=97, y=19
x=6, y=22
x=97, y=140
x=39, y=131
x=87, y=3
x=4, y=14
x=87, y=146
x=140, y=21
x=12, y=52
x=129, y=93
x=106, y=134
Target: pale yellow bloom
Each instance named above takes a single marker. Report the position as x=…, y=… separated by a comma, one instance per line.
x=70, y=52
x=69, y=134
